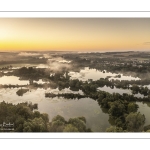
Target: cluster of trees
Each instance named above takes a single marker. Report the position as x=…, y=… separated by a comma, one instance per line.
x=126, y=84
x=30, y=73
x=18, y=114
x=140, y=89
x=21, y=91
x=26, y=118
x=65, y=95
x=59, y=124
x=22, y=60
x=116, y=64
x=134, y=122
x=7, y=67
x=123, y=112
x=11, y=86
x=93, y=85
x=129, y=67
x=90, y=89
x=121, y=108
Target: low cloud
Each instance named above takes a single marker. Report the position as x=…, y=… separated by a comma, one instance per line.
x=58, y=64
x=28, y=54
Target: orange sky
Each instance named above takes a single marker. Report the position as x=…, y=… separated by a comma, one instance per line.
x=81, y=34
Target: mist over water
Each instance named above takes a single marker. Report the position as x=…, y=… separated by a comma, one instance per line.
x=53, y=63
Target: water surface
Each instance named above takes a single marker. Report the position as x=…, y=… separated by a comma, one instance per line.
x=87, y=73
x=12, y=80
x=97, y=120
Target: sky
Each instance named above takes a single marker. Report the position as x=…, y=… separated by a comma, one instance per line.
x=74, y=34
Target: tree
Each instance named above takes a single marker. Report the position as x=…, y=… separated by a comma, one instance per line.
x=58, y=117
x=132, y=107
x=78, y=123
x=45, y=117
x=83, y=119
x=36, y=114
x=104, y=103
x=148, y=131
x=146, y=127
x=135, y=122
x=135, y=88
x=114, y=129
x=93, y=88
x=70, y=128
x=86, y=88
x=119, y=122
x=117, y=108
x=24, y=111
x=19, y=124
x=57, y=124
x=35, y=125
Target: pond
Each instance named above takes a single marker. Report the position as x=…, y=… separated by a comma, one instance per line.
x=115, y=90
x=87, y=73
x=97, y=120
x=12, y=80
x=144, y=108
x=119, y=90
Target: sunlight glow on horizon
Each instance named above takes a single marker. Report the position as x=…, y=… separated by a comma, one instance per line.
x=74, y=34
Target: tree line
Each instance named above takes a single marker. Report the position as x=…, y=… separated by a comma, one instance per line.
x=26, y=118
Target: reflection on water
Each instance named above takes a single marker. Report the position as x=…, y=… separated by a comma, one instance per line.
x=129, y=78
x=120, y=91
x=40, y=81
x=42, y=66
x=144, y=108
x=94, y=74
x=12, y=80
x=33, y=95
x=97, y=120
x=87, y=73
x=7, y=71
x=115, y=90
x=148, y=86
x=64, y=61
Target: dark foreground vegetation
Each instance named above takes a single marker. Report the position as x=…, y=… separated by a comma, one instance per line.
x=26, y=118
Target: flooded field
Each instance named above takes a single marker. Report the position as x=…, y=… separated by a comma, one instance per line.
x=97, y=118
x=94, y=74
x=12, y=80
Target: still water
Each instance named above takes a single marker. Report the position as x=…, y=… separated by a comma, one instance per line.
x=119, y=90
x=87, y=73
x=144, y=108
x=97, y=120
x=12, y=80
